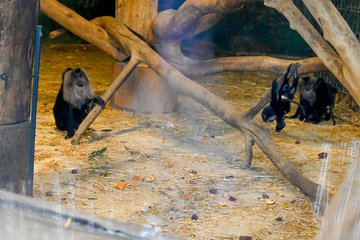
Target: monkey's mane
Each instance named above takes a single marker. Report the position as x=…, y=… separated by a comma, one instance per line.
x=73, y=94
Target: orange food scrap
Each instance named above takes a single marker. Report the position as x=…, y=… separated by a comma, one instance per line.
x=130, y=182
x=185, y=197
x=205, y=142
x=136, y=178
x=82, y=154
x=270, y=202
x=123, y=142
x=120, y=186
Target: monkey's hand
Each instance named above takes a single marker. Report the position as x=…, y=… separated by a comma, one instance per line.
x=99, y=101
x=96, y=101
x=292, y=69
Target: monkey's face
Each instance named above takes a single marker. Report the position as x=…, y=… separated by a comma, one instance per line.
x=307, y=84
x=78, y=78
x=76, y=87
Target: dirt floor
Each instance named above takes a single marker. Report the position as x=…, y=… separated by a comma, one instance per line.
x=181, y=172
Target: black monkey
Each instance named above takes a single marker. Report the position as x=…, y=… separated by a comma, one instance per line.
x=281, y=98
x=317, y=98
x=74, y=101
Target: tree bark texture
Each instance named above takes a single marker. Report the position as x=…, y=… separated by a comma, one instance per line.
x=144, y=92
x=171, y=27
x=80, y=27
x=17, y=36
x=137, y=14
x=17, y=44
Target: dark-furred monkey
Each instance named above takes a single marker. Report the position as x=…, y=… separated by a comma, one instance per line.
x=74, y=101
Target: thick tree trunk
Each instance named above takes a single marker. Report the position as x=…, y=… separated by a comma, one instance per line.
x=144, y=92
x=17, y=41
x=137, y=14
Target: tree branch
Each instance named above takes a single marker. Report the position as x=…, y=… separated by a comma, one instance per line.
x=115, y=85
x=81, y=27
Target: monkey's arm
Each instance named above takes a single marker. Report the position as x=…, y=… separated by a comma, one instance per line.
x=60, y=111
x=292, y=69
x=90, y=104
x=70, y=124
x=295, y=84
x=99, y=101
x=274, y=93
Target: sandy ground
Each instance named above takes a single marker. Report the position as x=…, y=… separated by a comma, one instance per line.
x=181, y=171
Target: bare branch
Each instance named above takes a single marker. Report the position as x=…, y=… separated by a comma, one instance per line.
x=115, y=85
x=77, y=25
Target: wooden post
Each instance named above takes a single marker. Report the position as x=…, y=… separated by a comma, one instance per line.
x=17, y=44
x=144, y=91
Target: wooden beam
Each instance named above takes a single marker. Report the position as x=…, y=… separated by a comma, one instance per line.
x=81, y=27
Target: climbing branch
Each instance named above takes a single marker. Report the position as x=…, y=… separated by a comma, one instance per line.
x=115, y=85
